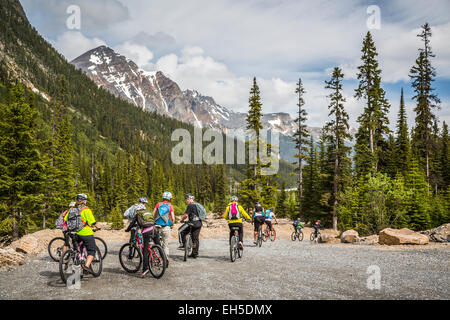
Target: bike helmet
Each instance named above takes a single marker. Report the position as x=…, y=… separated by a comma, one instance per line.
x=189, y=196
x=234, y=199
x=82, y=197
x=167, y=196
x=143, y=200
x=257, y=203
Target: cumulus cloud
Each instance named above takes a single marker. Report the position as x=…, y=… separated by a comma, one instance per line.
x=141, y=55
x=72, y=44
x=96, y=16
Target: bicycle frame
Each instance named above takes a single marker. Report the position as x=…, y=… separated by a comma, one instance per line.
x=138, y=239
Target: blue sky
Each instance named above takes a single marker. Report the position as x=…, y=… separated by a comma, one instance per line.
x=217, y=47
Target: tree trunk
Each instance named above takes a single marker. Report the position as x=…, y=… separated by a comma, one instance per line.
x=15, y=231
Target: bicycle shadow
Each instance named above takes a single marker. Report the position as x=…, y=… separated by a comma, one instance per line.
x=116, y=271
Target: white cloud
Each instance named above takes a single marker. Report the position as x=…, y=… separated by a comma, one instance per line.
x=72, y=44
x=140, y=54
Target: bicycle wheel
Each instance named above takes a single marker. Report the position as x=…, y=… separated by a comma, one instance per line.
x=157, y=261
x=66, y=264
x=55, y=248
x=294, y=236
x=240, y=250
x=260, y=235
x=101, y=244
x=273, y=235
x=130, y=258
x=233, y=249
x=97, y=264
x=187, y=247
x=265, y=235
x=300, y=236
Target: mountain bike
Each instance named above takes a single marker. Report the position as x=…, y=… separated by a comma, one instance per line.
x=76, y=258
x=314, y=236
x=236, y=250
x=131, y=256
x=269, y=234
x=56, y=247
x=259, y=239
x=297, y=235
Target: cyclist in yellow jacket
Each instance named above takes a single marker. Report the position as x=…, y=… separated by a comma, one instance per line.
x=234, y=214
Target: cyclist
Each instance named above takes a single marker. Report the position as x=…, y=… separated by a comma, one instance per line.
x=268, y=215
x=86, y=235
x=64, y=227
x=131, y=212
x=297, y=225
x=233, y=214
x=193, y=225
x=317, y=226
x=147, y=234
x=258, y=218
x=165, y=217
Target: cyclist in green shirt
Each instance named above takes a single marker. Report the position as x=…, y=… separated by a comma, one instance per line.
x=86, y=235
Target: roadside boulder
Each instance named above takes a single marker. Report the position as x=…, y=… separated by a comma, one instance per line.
x=28, y=244
x=439, y=234
x=9, y=257
x=325, y=238
x=370, y=239
x=350, y=236
x=390, y=236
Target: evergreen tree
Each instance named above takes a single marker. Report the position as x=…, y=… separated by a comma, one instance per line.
x=338, y=131
x=373, y=121
x=312, y=195
x=418, y=205
x=402, y=144
x=254, y=124
x=301, y=142
x=282, y=208
x=21, y=165
x=445, y=157
x=422, y=75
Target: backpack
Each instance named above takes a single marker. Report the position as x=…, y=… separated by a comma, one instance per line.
x=145, y=219
x=131, y=211
x=74, y=222
x=234, y=211
x=162, y=217
x=60, y=223
x=201, y=212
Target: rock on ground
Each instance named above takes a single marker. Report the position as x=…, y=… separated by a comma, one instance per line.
x=370, y=239
x=403, y=236
x=350, y=236
x=439, y=234
x=9, y=257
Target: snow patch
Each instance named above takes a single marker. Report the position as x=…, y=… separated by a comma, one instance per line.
x=95, y=59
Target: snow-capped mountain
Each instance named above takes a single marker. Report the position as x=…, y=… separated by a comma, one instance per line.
x=152, y=91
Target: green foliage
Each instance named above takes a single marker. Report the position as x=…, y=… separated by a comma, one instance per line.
x=117, y=219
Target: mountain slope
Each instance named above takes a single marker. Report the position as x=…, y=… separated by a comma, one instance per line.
x=152, y=91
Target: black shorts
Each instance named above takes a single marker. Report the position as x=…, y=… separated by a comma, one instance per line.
x=258, y=222
x=89, y=243
x=269, y=223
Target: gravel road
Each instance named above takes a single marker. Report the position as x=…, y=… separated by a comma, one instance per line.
x=279, y=270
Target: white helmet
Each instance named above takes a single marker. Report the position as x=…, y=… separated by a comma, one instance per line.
x=167, y=195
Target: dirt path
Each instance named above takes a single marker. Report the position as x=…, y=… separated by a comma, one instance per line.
x=279, y=270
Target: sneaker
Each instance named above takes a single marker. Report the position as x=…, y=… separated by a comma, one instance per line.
x=144, y=273
x=193, y=256
x=87, y=270
x=241, y=246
